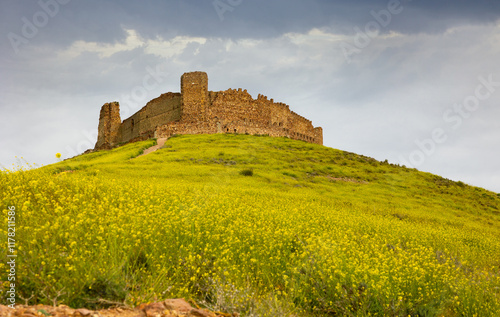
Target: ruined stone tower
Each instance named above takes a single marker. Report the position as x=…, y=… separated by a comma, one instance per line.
x=194, y=91
x=109, y=125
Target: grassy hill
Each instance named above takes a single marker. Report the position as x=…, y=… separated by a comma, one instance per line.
x=256, y=225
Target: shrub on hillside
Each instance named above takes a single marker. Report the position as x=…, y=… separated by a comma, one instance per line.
x=246, y=172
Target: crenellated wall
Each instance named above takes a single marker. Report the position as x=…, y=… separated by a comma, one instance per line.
x=196, y=110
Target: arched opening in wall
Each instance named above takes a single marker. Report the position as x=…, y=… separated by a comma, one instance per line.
x=234, y=130
x=132, y=125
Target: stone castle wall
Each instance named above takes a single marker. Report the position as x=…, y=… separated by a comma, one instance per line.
x=142, y=124
x=198, y=111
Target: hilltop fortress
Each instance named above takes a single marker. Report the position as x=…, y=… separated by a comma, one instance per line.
x=196, y=110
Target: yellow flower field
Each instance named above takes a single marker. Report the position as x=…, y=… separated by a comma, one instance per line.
x=314, y=231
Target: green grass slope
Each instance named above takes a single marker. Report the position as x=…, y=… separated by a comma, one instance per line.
x=256, y=225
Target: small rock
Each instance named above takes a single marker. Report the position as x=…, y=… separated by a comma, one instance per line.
x=4, y=310
x=154, y=309
x=31, y=310
x=199, y=313
x=83, y=312
x=178, y=304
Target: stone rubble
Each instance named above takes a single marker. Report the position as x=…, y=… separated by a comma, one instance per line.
x=168, y=308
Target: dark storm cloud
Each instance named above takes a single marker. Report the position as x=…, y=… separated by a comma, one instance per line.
x=264, y=18
x=103, y=21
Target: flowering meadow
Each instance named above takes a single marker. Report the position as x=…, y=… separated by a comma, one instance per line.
x=255, y=225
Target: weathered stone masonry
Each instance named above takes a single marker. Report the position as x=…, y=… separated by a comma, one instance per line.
x=198, y=111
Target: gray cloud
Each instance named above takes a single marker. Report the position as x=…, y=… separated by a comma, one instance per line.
x=102, y=21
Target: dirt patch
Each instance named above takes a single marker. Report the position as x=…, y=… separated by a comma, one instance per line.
x=159, y=143
x=346, y=179
x=167, y=308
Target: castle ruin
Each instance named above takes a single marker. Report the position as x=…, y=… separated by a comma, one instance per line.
x=196, y=110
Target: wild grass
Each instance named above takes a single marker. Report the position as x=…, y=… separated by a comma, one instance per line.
x=313, y=231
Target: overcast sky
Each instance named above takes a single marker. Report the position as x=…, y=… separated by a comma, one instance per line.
x=416, y=82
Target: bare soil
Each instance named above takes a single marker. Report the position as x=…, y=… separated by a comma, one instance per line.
x=168, y=308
